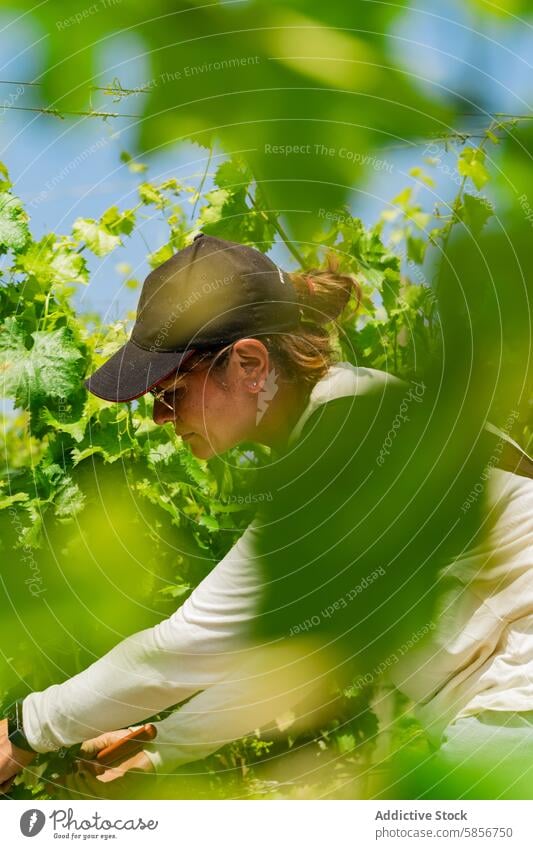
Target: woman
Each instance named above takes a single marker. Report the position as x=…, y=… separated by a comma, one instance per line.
x=233, y=350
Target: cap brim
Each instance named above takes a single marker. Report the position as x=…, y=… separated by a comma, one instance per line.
x=133, y=371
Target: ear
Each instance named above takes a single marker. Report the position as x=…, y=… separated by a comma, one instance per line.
x=251, y=364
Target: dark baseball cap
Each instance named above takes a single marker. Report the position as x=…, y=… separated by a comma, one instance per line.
x=211, y=293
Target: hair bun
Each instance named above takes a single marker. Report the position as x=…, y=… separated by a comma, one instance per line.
x=324, y=293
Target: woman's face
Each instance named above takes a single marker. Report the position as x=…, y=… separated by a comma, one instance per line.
x=214, y=411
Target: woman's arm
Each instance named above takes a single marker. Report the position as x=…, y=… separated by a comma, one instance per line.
x=273, y=680
x=158, y=667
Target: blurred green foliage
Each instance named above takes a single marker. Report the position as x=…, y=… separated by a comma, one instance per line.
x=260, y=78
x=107, y=521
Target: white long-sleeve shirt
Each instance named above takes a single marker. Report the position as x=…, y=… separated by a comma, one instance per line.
x=203, y=650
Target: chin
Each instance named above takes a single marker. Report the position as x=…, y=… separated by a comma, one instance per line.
x=200, y=448
x=203, y=453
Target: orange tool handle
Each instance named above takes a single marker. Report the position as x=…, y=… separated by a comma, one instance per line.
x=127, y=745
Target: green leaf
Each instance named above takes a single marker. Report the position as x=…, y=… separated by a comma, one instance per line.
x=171, y=185
x=97, y=238
x=107, y=437
x=176, y=590
x=416, y=249
x=471, y=164
x=345, y=742
x=75, y=429
x=134, y=166
x=390, y=289
x=149, y=194
x=212, y=211
x=231, y=174
x=49, y=369
x=69, y=500
x=117, y=222
x=14, y=232
x=403, y=198
x=5, y=183
x=420, y=218
x=8, y=500
x=209, y=522
x=160, y=255
x=53, y=261
x=161, y=453
x=103, y=236
x=475, y=212
x=196, y=469
x=419, y=174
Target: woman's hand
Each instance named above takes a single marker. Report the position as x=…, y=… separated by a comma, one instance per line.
x=12, y=760
x=92, y=780
x=90, y=748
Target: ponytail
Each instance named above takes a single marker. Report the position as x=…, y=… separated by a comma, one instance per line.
x=324, y=294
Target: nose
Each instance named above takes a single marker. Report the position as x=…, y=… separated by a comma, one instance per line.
x=161, y=414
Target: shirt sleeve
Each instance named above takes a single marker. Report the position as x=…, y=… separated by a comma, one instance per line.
x=158, y=667
x=272, y=681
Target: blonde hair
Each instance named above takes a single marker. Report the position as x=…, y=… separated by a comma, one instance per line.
x=305, y=354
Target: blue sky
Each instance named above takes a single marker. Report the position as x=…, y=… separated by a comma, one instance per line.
x=440, y=46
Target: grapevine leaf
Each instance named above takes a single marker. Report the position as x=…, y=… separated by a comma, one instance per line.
x=5, y=182
x=419, y=174
x=117, y=222
x=230, y=174
x=171, y=185
x=69, y=500
x=416, y=249
x=161, y=453
x=390, y=290
x=196, y=469
x=98, y=239
x=149, y=194
x=75, y=429
x=53, y=261
x=9, y=500
x=176, y=590
x=106, y=437
x=212, y=211
x=471, y=164
x=134, y=166
x=161, y=255
x=50, y=368
x=209, y=522
x=475, y=212
x=14, y=232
